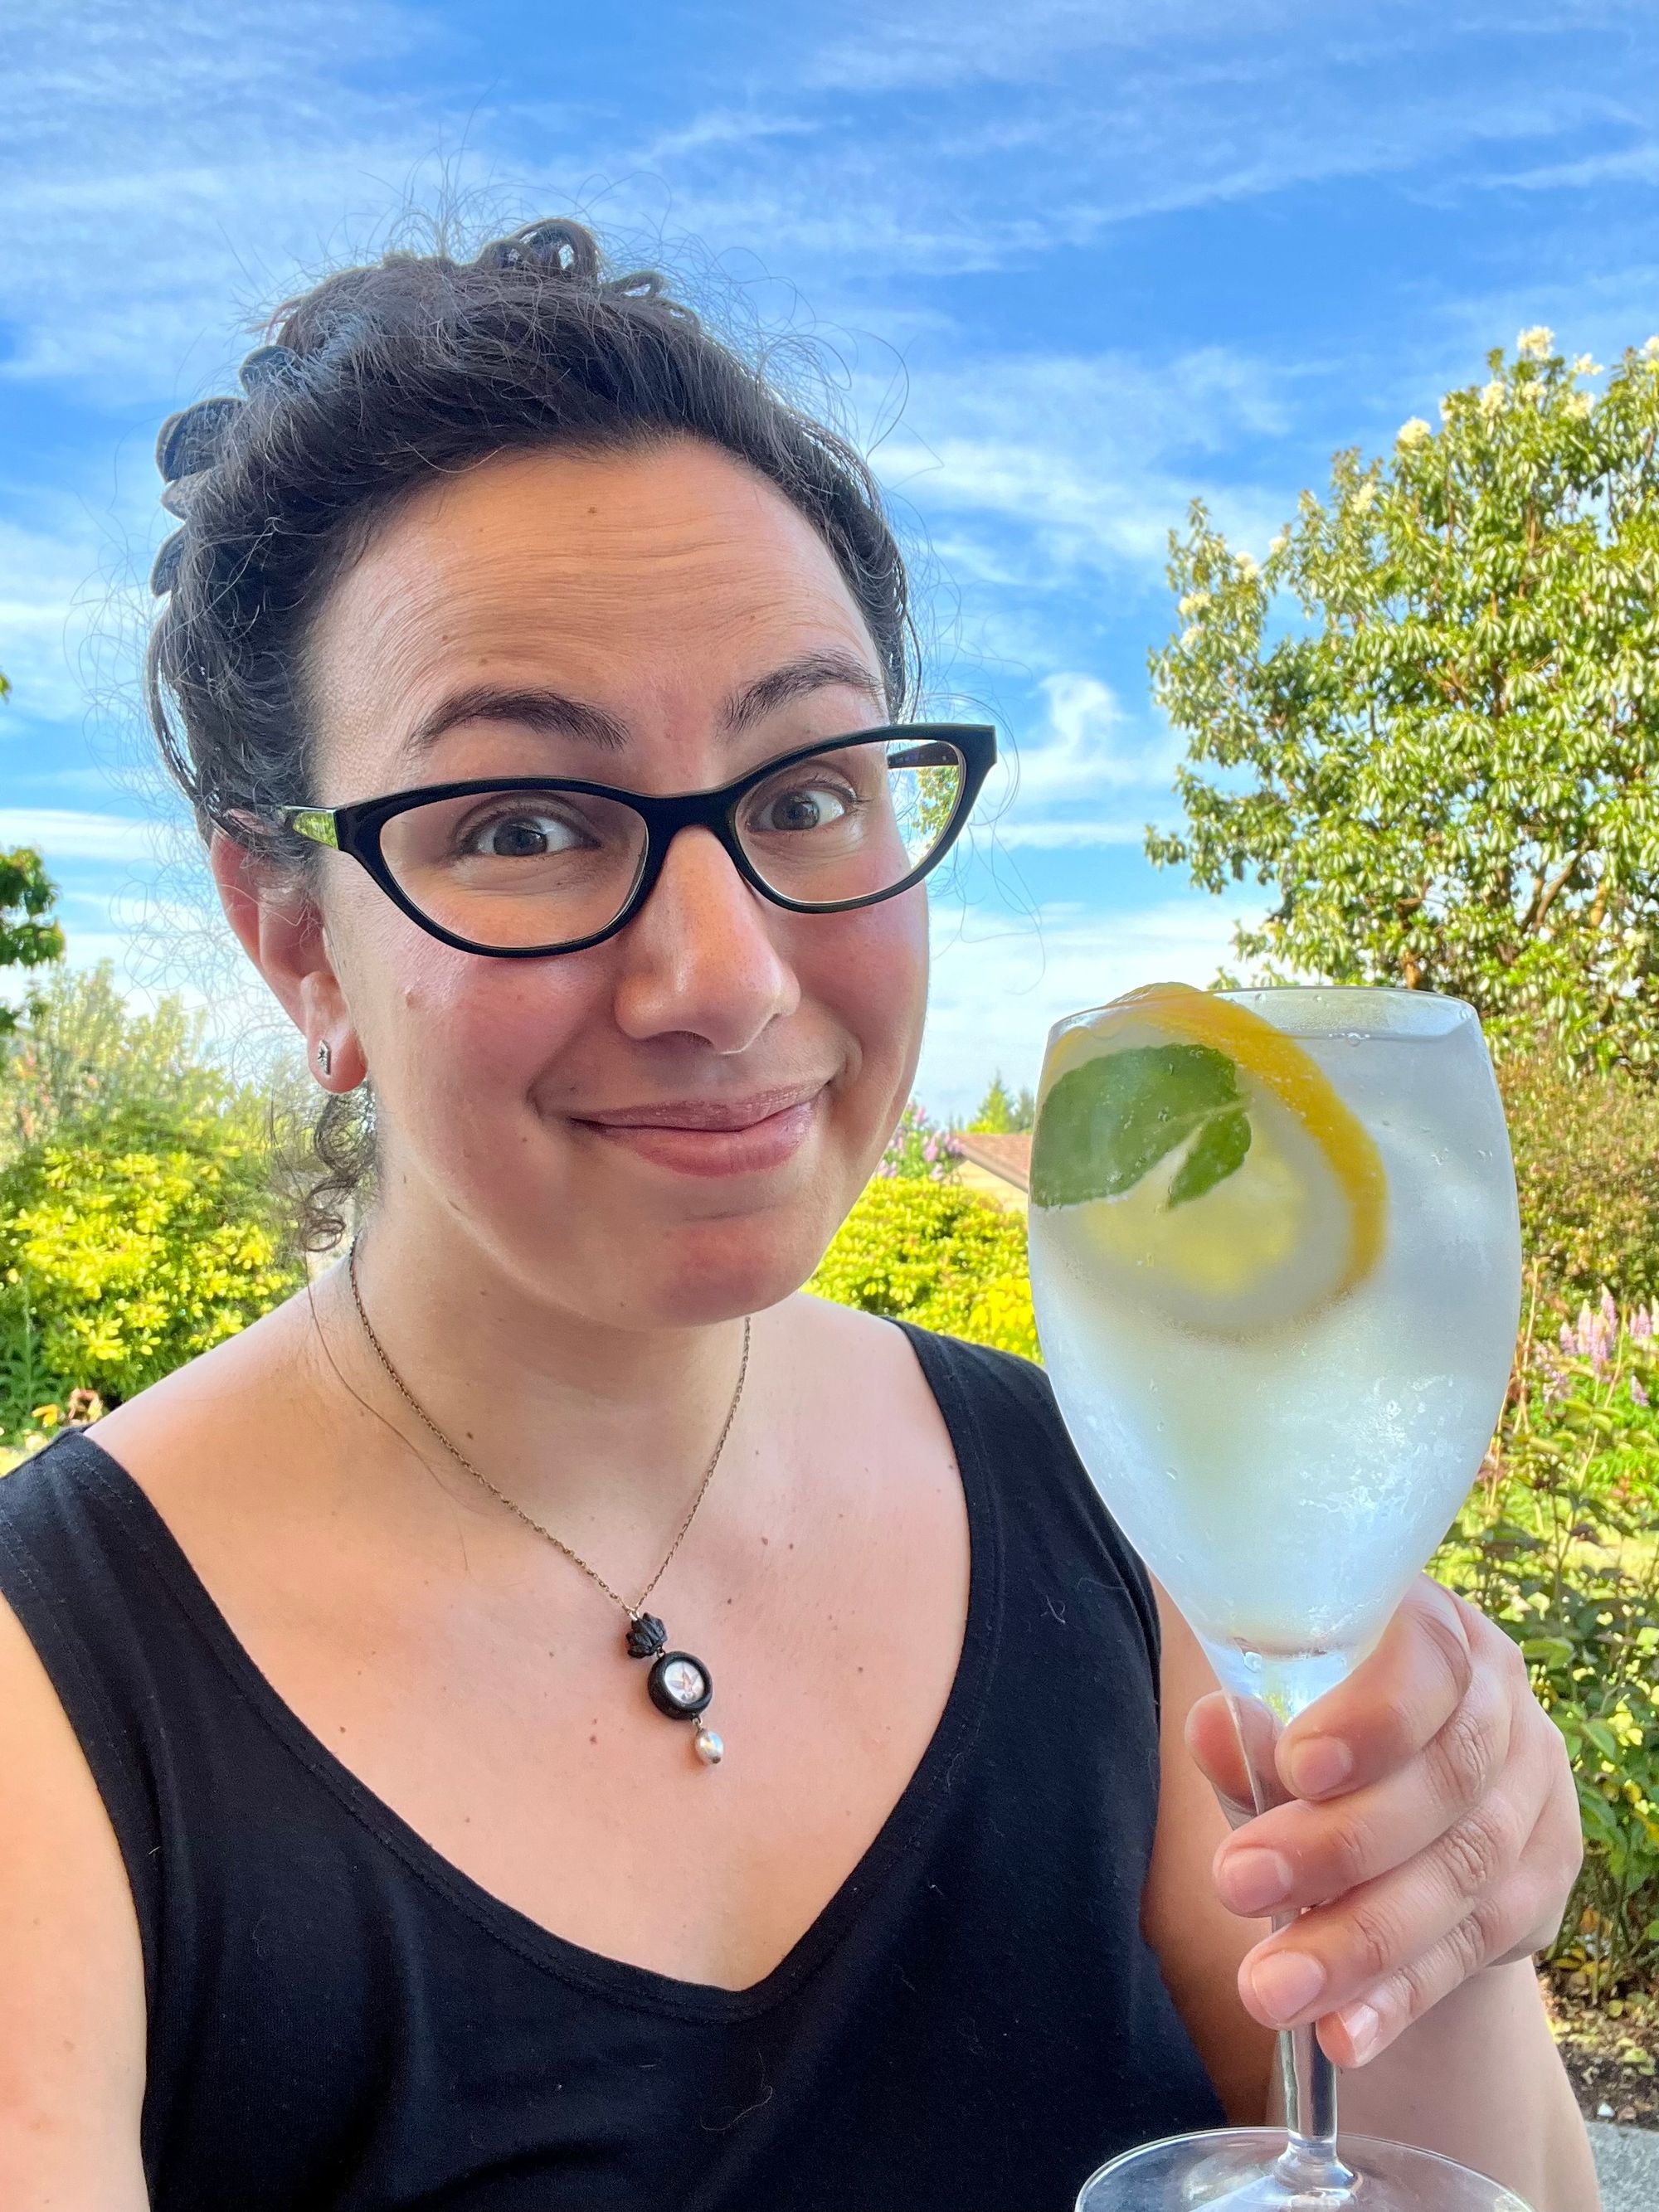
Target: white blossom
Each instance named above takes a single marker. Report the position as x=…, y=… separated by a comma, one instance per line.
x=1247, y=569
x=1193, y=603
x=1417, y=431
x=1364, y=497
x=1492, y=396
x=1535, y=343
x=1281, y=543
x=1651, y=346
x=1586, y=365
x=1577, y=404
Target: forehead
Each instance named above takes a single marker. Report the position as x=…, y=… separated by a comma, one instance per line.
x=646, y=581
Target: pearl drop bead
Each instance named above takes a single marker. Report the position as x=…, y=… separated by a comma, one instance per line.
x=710, y=1749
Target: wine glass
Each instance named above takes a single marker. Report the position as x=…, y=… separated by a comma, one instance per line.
x=1276, y=1266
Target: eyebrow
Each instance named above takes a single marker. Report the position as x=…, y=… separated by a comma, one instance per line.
x=555, y=714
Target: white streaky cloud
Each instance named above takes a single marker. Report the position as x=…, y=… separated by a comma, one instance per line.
x=169, y=173
x=61, y=833
x=935, y=43
x=1085, y=746
x=61, y=590
x=1001, y=980
x=1065, y=835
x=1067, y=463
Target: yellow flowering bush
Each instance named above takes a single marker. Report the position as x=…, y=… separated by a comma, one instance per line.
x=937, y=1254
x=129, y=1241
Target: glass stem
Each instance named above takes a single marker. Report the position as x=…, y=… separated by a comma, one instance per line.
x=1308, y=2078
x=1311, y=2162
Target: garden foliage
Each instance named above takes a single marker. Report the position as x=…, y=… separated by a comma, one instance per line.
x=1559, y=1544
x=134, y=1237
x=919, y=1148
x=938, y=1255
x=1587, y=1170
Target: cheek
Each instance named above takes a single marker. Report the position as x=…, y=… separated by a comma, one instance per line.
x=441, y=1024
x=869, y=970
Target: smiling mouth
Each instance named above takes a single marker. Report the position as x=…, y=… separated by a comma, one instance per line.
x=705, y=1116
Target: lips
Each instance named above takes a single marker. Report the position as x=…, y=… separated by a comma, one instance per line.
x=707, y=1113
x=712, y=1136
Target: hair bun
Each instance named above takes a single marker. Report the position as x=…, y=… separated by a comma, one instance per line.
x=267, y=365
x=191, y=439
x=558, y=248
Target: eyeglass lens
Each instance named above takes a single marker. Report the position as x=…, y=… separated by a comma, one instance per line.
x=521, y=868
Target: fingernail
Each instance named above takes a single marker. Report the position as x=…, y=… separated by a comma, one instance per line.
x=1360, y=2023
x=1285, y=1983
x=1321, y=1764
x=1254, y=1879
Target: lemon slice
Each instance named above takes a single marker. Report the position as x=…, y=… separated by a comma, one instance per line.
x=1205, y=1165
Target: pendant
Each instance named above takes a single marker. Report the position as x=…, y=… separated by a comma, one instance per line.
x=679, y=1685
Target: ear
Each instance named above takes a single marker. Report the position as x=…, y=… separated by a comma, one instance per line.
x=278, y=922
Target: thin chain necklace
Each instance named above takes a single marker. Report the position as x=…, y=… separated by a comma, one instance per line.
x=679, y=1684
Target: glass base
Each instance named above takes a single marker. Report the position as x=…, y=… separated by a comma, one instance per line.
x=1240, y=2170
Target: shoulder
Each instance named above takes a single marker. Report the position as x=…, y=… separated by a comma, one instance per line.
x=71, y=1965
x=1043, y=1493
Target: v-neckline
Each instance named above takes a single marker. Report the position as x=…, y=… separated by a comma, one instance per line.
x=642, y=1988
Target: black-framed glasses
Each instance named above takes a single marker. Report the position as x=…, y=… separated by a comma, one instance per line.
x=519, y=867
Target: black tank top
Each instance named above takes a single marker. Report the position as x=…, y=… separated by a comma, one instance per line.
x=339, y=2018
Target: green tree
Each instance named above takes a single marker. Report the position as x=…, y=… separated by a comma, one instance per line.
x=1435, y=710
x=83, y=1045
x=995, y=1115
x=1000, y=1113
x=28, y=938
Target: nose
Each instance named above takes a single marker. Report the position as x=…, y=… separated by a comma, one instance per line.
x=699, y=958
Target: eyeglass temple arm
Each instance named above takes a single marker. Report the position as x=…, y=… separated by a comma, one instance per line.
x=317, y=823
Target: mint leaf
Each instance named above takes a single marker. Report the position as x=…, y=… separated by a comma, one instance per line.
x=1105, y=1124
x=1217, y=1152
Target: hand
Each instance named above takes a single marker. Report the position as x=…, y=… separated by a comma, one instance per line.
x=1433, y=1831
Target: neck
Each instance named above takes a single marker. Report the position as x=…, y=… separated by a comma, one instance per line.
x=599, y=1430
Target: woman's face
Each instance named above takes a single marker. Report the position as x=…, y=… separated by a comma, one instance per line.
x=668, y=1127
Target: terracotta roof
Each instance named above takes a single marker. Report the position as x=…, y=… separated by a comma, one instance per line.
x=1010, y=1158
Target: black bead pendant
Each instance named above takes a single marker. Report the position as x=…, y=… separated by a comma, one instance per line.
x=680, y=1686
x=646, y=1636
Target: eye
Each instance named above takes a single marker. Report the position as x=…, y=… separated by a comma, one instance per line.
x=811, y=804
x=527, y=833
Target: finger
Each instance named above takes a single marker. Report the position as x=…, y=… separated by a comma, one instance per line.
x=1231, y=1738
x=1394, y=1703
x=1367, y=2025
x=1303, y=1855
x=1462, y=1898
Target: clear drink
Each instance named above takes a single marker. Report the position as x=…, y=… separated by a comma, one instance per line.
x=1276, y=1266
x=1285, y=1481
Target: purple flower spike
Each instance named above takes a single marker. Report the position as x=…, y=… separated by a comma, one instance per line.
x=1637, y=1392
x=1641, y=1325
x=1609, y=1310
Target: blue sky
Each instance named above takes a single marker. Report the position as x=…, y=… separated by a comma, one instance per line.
x=1066, y=264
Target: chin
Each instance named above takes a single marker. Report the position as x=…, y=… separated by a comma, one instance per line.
x=712, y=1271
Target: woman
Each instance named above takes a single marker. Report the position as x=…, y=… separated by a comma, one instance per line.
x=348, y=1861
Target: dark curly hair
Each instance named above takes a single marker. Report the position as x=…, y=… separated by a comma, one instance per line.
x=369, y=387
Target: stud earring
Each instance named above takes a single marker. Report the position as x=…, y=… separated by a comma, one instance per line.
x=325, y=1057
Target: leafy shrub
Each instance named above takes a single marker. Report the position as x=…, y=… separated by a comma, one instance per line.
x=1587, y=1170
x=84, y=1046
x=1558, y=1545
x=134, y=1239
x=937, y=1254
x=918, y=1149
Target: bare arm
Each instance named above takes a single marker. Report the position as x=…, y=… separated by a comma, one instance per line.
x=1467, y=2066
x=71, y=1970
